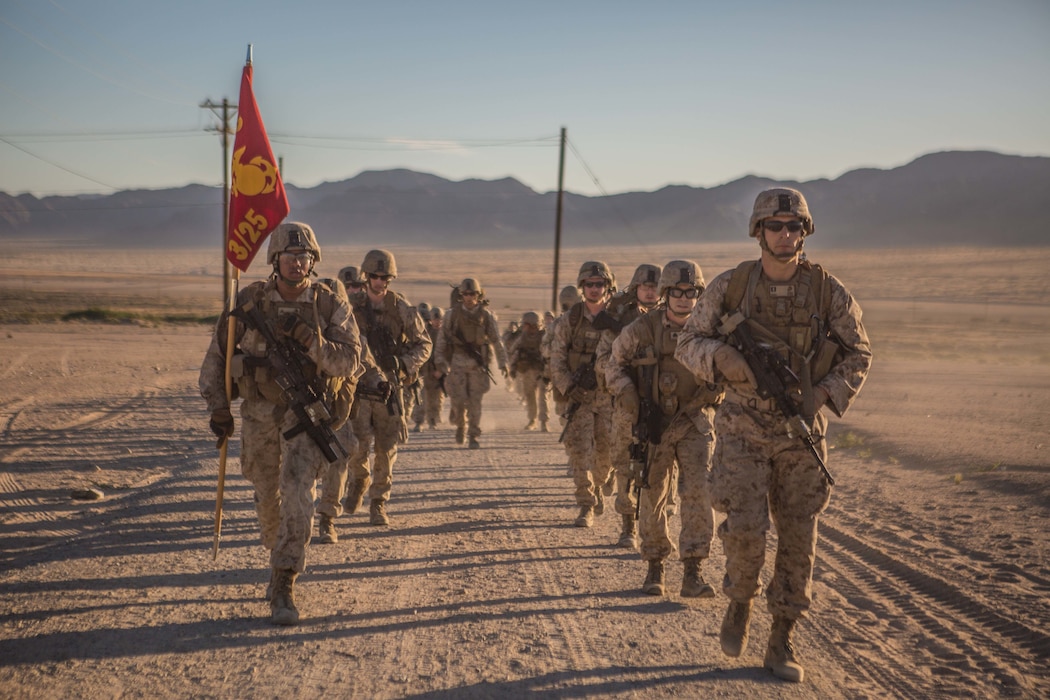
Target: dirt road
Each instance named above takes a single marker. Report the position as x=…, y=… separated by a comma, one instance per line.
x=932, y=578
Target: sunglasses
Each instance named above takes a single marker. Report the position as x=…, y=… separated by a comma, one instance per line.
x=468, y=294
x=301, y=258
x=385, y=278
x=593, y=285
x=677, y=293
x=778, y=226
x=354, y=285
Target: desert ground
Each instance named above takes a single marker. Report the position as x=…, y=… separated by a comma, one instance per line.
x=933, y=571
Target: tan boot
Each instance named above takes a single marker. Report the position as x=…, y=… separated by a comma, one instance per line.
x=693, y=584
x=326, y=530
x=654, y=580
x=355, y=495
x=586, y=517
x=599, y=505
x=282, y=604
x=377, y=513
x=780, y=654
x=733, y=635
x=628, y=532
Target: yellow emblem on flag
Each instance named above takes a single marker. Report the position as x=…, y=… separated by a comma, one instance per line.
x=257, y=176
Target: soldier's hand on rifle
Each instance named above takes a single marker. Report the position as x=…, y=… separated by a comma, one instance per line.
x=628, y=401
x=221, y=424
x=581, y=395
x=731, y=363
x=295, y=328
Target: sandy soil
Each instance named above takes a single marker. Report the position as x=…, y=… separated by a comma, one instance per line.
x=933, y=577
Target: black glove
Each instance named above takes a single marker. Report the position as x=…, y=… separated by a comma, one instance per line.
x=221, y=424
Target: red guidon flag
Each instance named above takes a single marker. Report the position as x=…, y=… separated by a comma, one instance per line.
x=258, y=201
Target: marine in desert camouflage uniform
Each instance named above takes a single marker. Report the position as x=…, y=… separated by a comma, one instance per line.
x=468, y=338
x=573, y=350
x=640, y=297
x=642, y=364
x=282, y=470
x=527, y=365
x=433, y=391
x=759, y=470
x=397, y=338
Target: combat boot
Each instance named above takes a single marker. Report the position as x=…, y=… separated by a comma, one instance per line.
x=531, y=425
x=543, y=427
x=432, y=425
x=326, y=530
x=474, y=444
x=780, y=654
x=461, y=435
x=599, y=505
x=418, y=428
x=282, y=603
x=654, y=580
x=377, y=513
x=355, y=496
x=586, y=517
x=733, y=635
x=628, y=532
x=693, y=584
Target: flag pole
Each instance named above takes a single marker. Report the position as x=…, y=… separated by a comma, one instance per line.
x=233, y=276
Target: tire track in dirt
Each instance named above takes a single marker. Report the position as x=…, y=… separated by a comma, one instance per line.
x=955, y=637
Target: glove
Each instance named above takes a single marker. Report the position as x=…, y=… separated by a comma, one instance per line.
x=295, y=328
x=629, y=401
x=505, y=371
x=221, y=424
x=581, y=395
x=733, y=366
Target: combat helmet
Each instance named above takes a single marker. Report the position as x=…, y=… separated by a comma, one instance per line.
x=424, y=310
x=351, y=275
x=594, y=268
x=780, y=200
x=469, y=284
x=436, y=314
x=379, y=262
x=645, y=274
x=678, y=271
x=292, y=235
x=569, y=295
x=531, y=317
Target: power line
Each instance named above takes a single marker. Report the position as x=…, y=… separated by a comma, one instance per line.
x=604, y=193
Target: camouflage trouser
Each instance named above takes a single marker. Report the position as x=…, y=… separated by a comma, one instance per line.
x=537, y=395
x=466, y=386
x=587, y=444
x=370, y=419
x=333, y=482
x=284, y=474
x=429, y=410
x=684, y=444
x=759, y=471
x=622, y=427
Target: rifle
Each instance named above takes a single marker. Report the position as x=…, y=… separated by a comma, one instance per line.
x=304, y=398
x=774, y=377
x=584, y=378
x=475, y=354
x=647, y=431
x=605, y=321
x=385, y=349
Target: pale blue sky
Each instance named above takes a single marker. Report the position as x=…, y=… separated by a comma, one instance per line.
x=103, y=95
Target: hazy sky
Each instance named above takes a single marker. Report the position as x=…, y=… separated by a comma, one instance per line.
x=102, y=95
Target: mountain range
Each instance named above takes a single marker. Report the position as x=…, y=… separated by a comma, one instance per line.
x=948, y=198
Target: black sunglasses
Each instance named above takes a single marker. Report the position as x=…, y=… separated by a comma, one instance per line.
x=677, y=293
x=778, y=226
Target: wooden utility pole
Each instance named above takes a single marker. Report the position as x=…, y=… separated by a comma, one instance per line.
x=557, y=222
x=225, y=130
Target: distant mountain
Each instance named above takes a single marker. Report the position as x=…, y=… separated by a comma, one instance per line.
x=949, y=198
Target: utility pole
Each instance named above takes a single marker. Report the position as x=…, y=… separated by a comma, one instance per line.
x=557, y=221
x=225, y=115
